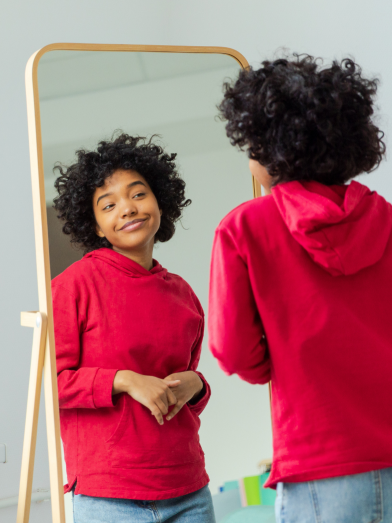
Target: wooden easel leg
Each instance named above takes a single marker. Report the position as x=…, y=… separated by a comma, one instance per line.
x=39, y=322
x=43, y=360
x=53, y=433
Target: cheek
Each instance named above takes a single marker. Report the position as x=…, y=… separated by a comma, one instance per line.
x=157, y=218
x=151, y=207
x=259, y=172
x=105, y=223
x=254, y=168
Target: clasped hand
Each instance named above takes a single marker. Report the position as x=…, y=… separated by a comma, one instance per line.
x=157, y=394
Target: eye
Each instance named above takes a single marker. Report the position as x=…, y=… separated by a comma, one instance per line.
x=140, y=194
x=108, y=206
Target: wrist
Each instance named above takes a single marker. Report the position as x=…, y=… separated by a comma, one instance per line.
x=199, y=385
x=122, y=381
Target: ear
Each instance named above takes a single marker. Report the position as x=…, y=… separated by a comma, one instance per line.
x=98, y=231
x=160, y=212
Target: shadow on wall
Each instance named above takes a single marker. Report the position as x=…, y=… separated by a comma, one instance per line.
x=62, y=251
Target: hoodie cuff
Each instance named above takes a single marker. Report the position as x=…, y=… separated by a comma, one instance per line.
x=203, y=397
x=257, y=376
x=102, y=388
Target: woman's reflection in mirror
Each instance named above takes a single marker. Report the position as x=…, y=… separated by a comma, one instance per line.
x=128, y=339
x=306, y=277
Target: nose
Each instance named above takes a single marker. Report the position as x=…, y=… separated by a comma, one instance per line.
x=128, y=208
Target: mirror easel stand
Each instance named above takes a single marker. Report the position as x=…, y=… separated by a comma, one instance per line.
x=40, y=354
x=38, y=321
x=43, y=362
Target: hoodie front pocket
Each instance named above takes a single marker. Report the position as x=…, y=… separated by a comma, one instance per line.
x=140, y=442
x=122, y=422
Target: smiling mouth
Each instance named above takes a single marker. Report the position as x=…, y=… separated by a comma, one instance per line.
x=134, y=224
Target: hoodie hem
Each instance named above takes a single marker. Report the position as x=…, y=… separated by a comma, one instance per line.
x=342, y=469
x=86, y=485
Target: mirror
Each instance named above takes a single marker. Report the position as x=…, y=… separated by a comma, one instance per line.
x=84, y=96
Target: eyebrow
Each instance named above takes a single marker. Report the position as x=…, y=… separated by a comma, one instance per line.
x=138, y=182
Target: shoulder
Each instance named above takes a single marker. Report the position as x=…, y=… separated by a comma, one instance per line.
x=248, y=213
x=74, y=277
x=184, y=289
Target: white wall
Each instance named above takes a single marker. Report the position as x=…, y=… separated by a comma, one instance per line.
x=254, y=27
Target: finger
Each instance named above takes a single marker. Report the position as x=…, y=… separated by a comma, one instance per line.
x=162, y=398
x=158, y=414
x=171, y=398
x=175, y=411
x=162, y=405
x=173, y=383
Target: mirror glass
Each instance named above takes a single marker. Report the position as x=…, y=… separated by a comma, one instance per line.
x=84, y=97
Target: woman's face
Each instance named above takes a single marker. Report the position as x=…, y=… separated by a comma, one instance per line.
x=260, y=173
x=126, y=212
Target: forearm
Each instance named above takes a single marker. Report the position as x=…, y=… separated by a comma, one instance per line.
x=252, y=366
x=87, y=387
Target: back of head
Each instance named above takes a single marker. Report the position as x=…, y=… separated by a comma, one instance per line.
x=305, y=122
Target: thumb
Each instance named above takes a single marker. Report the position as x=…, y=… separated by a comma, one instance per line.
x=173, y=383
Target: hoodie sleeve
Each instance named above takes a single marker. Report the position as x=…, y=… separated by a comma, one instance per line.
x=236, y=334
x=84, y=387
x=205, y=394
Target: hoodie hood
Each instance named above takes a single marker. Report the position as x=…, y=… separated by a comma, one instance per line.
x=124, y=264
x=344, y=228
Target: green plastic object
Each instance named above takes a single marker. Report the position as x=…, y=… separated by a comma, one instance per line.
x=252, y=491
x=253, y=514
x=268, y=495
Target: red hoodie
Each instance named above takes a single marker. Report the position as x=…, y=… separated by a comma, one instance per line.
x=300, y=294
x=112, y=314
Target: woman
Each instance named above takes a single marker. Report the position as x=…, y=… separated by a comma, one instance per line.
x=128, y=342
x=301, y=286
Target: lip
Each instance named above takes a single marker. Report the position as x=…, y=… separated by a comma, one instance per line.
x=134, y=224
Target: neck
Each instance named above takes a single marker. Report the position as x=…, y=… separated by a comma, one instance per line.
x=142, y=257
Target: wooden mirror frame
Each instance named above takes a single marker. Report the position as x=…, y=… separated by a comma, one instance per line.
x=43, y=355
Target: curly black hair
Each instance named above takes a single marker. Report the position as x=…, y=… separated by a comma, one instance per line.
x=77, y=183
x=304, y=122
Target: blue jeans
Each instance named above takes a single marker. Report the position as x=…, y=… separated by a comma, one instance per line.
x=359, y=498
x=191, y=508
